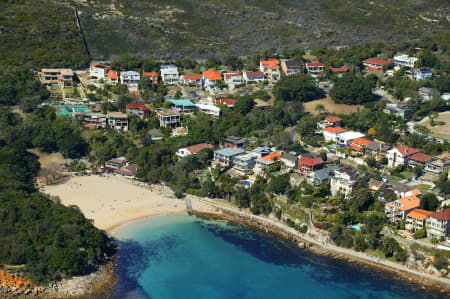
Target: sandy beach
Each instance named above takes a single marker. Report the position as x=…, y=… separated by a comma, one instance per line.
x=111, y=201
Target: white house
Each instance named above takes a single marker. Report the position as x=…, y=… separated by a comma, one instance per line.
x=397, y=210
x=191, y=80
x=99, y=71
x=169, y=74
x=343, y=181
x=399, y=155
x=331, y=133
x=253, y=77
x=419, y=74
x=270, y=68
x=208, y=108
x=438, y=224
x=405, y=61
x=345, y=138
x=192, y=150
x=233, y=79
x=130, y=77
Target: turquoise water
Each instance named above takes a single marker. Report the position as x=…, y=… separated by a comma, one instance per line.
x=183, y=256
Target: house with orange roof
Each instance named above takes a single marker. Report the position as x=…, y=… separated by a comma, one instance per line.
x=331, y=133
x=153, y=76
x=193, y=149
x=263, y=163
x=99, y=71
x=399, y=155
x=339, y=70
x=438, y=224
x=191, y=80
x=419, y=159
x=308, y=164
x=113, y=78
x=227, y=102
x=397, y=210
x=375, y=64
x=210, y=79
x=233, y=79
x=271, y=69
x=314, y=68
x=138, y=109
x=359, y=144
x=416, y=219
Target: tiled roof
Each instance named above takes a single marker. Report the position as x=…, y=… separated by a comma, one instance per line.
x=272, y=157
x=421, y=157
x=420, y=214
x=212, y=75
x=362, y=141
x=149, y=74
x=333, y=119
x=444, y=215
x=356, y=148
x=198, y=147
x=376, y=183
x=335, y=130
x=136, y=106
x=310, y=161
x=376, y=61
x=228, y=76
x=192, y=77
x=271, y=62
x=315, y=63
x=407, y=203
x=407, y=151
x=113, y=75
x=228, y=102
x=339, y=69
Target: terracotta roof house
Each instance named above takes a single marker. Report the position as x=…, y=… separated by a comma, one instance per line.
x=307, y=164
x=153, y=76
x=419, y=159
x=113, y=77
x=438, y=224
x=331, y=133
x=397, y=210
x=191, y=79
x=375, y=64
x=416, y=219
x=315, y=67
x=130, y=170
x=339, y=70
x=210, y=79
x=359, y=144
x=227, y=102
x=266, y=161
x=399, y=155
x=138, y=109
x=193, y=149
x=233, y=79
x=375, y=185
x=99, y=71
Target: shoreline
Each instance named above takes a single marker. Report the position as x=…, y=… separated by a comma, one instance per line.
x=208, y=208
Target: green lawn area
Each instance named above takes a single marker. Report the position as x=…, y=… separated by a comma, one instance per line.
x=424, y=187
x=380, y=254
x=407, y=174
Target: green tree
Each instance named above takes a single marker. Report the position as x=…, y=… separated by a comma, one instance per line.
x=298, y=87
x=352, y=90
x=429, y=202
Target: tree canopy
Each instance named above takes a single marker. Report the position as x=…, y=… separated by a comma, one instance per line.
x=300, y=87
x=352, y=90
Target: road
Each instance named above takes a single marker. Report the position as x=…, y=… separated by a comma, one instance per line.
x=384, y=95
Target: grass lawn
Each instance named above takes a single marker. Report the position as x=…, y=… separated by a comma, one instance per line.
x=424, y=186
x=378, y=253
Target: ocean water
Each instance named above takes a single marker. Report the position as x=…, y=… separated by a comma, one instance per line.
x=182, y=256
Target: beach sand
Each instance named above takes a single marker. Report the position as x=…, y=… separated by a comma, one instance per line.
x=111, y=201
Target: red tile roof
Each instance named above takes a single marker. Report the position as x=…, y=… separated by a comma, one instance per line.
x=212, y=75
x=333, y=119
x=198, y=147
x=421, y=157
x=356, y=148
x=444, y=215
x=150, y=74
x=271, y=62
x=112, y=75
x=362, y=141
x=192, y=77
x=315, y=63
x=339, y=69
x=335, y=130
x=407, y=151
x=137, y=106
x=420, y=214
x=228, y=102
x=407, y=203
x=310, y=161
x=272, y=157
x=376, y=61
x=228, y=76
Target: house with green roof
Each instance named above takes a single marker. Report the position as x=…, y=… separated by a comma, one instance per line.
x=182, y=105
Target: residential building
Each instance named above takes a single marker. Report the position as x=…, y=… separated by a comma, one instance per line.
x=113, y=78
x=182, y=105
x=400, y=110
x=375, y=64
x=399, y=155
x=346, y=138
x=138, y=109
x=428, y=93
x=168, y=118
x=339, y=70
x=375, y=185
x=308, y=164
x=266, y=161
x=289, y=160
x=233, y=141
x=224, y=156
x=262, y=151
x=245, y=162
x=253, y=77
x=70, y=110
x=208, y=108
x=414, y=192
x=61, y=77
x=193, y=149
x=92, y=120
x=233, y=79
x=116, y=163
x=211, y=79
x=169, y=74
x=437, y=166
x=333, y=121
x=360, y=144
x=331, y=133
x=130, y=77
x=419, y=74
x=397, y=210
x=271, y=69
x=343, y=182
x=227, y=102
x=405, y=61
x=378, y=147
x=314, y=68
x=438, y=224
x=129, y=170
x=320, y=176
x=290, y=67
x=99, y=71
x=117, y=120
x=191, y=80
x=416, y=219
x=152, y=76
x=419, y=159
